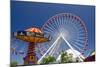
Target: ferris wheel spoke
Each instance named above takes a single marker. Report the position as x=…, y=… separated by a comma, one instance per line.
x=47, y=31
x=78, y=24
x=81, y=38
x=81, y=32
x=66, y=22
x=63, y=20
x=49, y=28
x=58, y=21
x=78, y=44
x=51, y=24
x=82, y=35
x=55, y=23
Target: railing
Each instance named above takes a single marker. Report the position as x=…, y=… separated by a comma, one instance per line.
x=32, y=34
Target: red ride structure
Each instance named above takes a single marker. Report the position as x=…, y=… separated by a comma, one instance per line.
x=33, y=36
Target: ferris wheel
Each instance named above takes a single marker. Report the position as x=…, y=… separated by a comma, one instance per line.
x=71, y=28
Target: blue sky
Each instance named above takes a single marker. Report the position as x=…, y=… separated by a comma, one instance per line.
x=30, y=14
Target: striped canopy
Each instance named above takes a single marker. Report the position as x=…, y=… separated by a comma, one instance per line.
x=35, y=30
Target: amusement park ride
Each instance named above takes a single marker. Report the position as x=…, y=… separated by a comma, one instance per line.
x=71, y=29
x=33, y=36
x=66, y=26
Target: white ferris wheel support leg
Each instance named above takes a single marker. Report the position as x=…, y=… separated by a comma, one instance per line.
x=72, y=48
x=55, y=47
x=51, y=52
x=48, y=50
